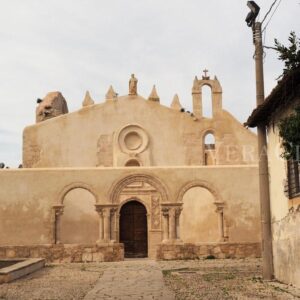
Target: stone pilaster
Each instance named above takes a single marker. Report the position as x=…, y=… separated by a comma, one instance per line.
x=107, y=223
x=171, y=224
x=220, y=210
x=58, y=212
x=101, y=234
x=177, y=220
x=113, y=224
x=165, y=223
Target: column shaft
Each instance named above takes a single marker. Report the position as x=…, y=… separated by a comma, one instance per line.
x=106, y=224
x=172, y=224
x=165, y=224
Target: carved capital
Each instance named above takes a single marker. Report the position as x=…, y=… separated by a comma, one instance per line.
x=165, y=211
x=113, y=211
x=219, y=207
x=58, y=209
x=178, y=211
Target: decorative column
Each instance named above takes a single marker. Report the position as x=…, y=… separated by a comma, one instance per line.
x=220, y=207
x=106, y=224
x=99, y=210
x=177, y=220
x=113, y=228
x=172, y=224
x=58, y=211
x=165, y=223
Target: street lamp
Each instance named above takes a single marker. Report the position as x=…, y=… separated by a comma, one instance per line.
x=264, y=192
x=250, y=19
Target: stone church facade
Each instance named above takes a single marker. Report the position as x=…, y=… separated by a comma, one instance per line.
x=131, y=177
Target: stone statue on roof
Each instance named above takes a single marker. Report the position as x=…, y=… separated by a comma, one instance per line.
x=133, y=85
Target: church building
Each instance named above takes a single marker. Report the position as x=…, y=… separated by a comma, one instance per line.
x=130, y=177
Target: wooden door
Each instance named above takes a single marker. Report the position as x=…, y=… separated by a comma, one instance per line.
x=133, y=229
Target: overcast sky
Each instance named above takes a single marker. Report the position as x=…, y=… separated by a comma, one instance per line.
x=73, y=46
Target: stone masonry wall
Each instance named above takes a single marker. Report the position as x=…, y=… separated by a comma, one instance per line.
x=66, y=253
x=220, y=250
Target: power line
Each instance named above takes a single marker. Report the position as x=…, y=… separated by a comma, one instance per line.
x=271, y=15
x=269, y=11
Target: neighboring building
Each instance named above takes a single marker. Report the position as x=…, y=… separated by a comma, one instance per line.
x=284, y=179
x=132, y=171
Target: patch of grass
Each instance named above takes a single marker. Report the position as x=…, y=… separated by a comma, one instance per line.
x=218, y=276
x=209, y=277
x=50, y=266
x=225, y=291
x=279, y=289
x=257, y=279
x=229, y=276
x=169, y=272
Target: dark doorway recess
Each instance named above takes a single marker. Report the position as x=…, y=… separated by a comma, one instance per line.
x=133, y=229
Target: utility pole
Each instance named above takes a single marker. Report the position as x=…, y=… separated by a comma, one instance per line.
x=264, y=192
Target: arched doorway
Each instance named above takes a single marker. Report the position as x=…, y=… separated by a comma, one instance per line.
x=133, y=229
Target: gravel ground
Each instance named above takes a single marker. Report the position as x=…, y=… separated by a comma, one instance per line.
x=66, y=281
x=222, y=279
x=191, y=279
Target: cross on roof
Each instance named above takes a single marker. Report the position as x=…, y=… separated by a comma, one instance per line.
x=205, y=71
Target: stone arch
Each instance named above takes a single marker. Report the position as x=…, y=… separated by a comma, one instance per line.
x=213, y=84
x=137, y=199
x=207, y=132
x=78, y=223
x=202, y=203
x=199, y=183
x=75, y=185
x=120, y=184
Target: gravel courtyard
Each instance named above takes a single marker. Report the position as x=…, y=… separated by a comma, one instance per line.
x=146, y=279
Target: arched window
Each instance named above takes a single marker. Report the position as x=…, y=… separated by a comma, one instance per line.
x=132, y=163
x=207, y=102
x=209, y=141
x=209, y=149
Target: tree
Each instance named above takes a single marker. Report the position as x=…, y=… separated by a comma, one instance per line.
x=290, y=134
x=289, y=55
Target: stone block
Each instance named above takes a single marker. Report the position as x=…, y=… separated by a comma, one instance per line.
x=22, y=251
x=87, y=257
x=98, y=257
x=10, y=253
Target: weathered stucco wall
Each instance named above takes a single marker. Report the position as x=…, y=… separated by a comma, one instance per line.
x=278, y=177
x=94, y=136
x=199, y=219
x=286, y=245
x=27, y=196
x=285, y=216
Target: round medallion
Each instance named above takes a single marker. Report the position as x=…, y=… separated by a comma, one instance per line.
x=133, y=140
